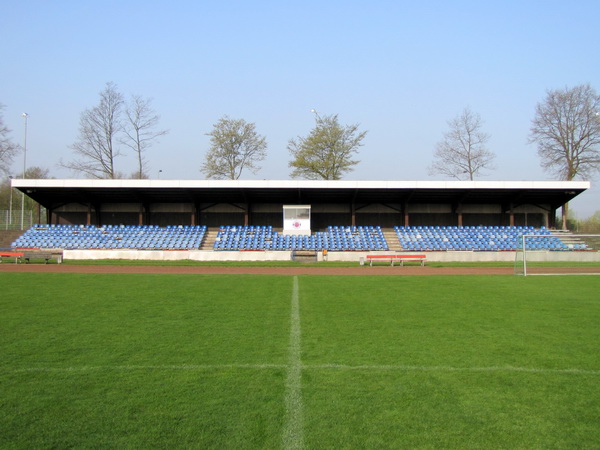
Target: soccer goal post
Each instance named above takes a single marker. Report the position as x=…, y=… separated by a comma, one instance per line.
x=558, y=254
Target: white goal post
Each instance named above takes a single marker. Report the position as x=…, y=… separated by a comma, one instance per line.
x=558, y=254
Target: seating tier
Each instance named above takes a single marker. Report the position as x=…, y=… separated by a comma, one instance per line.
x=239, y=238
x=142, y=237
x=334, y=239
x=477, y=238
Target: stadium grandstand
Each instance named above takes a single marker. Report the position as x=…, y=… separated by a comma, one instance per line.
x=253, y=219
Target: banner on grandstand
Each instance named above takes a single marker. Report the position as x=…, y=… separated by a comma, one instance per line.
x=296, y=219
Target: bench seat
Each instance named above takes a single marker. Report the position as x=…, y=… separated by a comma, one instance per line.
x=397, y=257
x=16, y=255
x=46, y=256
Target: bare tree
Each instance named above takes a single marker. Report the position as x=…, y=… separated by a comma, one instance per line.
x=96, y=148
x=35, y=173
x=326, y=153
x=235, y=146
x=566, y=129
x=7, y=148
x=5, y=194
x=462, y=154
x=140, y=131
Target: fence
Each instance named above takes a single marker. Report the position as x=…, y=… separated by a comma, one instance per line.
x=12, y=220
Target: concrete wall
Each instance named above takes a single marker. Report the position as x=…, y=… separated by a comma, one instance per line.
x=470, y=256
x=209, y=255
x=195, y=255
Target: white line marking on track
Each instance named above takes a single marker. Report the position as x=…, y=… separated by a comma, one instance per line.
x=293, y=435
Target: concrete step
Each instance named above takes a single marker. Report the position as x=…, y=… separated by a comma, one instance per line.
x=209, y=239
x=7, y=237
x=392, y=240
x=568, y=238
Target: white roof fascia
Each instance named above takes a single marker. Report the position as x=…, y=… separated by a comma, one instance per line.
x=287, y=184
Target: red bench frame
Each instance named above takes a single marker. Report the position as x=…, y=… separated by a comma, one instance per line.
x=397, y=257
x=16, y=255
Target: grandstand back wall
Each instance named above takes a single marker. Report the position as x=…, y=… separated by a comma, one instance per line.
x=272, y=214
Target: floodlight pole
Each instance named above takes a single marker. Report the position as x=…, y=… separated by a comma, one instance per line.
x=25, y=116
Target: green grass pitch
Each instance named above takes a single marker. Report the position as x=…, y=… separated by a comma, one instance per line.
x=199, y=361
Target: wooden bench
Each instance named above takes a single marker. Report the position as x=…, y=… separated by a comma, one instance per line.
x=46, y=256
x=397, y=257
x=16, y=255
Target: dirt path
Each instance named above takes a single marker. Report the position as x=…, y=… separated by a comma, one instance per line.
x=63, y=268
x=220, y=270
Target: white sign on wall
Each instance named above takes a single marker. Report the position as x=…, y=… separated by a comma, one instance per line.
x=296, y=219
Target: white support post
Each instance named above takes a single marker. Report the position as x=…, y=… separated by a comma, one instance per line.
x=524, y=258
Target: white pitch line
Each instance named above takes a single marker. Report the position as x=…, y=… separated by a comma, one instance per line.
x=293, y=435
x=374, y=367
x=392, y=367
x=182, y=367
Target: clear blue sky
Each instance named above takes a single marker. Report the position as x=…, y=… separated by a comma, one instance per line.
x=401, y=69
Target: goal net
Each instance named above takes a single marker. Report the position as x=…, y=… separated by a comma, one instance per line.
x=558, y=253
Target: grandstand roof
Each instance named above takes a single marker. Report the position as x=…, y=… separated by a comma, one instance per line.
x=51, y=193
